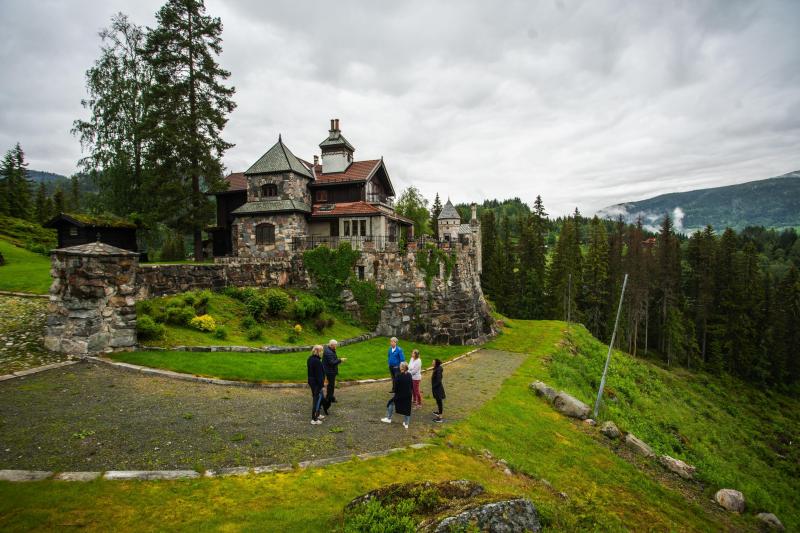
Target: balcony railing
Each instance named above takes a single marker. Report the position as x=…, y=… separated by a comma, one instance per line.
x=380, y=199
x=385, y=243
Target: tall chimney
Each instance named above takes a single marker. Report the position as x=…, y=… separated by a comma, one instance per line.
x=333, y=124
x=474, y=217
x=337, y=124
x=316, y=160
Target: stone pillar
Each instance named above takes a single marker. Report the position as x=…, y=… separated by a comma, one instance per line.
x=92, y=302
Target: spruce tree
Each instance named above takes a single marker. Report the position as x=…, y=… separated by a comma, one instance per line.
x=188, y=109
x=564, y=274
x=595, y=280
x=668, y=283
x=59, y=203
x=17, y=184
x=41, y=204
x=75, y=194
x=786, y=338
x=489, y=247
x=436, y=210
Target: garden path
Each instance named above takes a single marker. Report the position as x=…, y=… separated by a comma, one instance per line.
x=93, y=417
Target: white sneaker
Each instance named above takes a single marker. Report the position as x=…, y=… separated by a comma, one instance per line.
x=316, y=422
x=321, y=417
x=387, y=420
x=405, y=425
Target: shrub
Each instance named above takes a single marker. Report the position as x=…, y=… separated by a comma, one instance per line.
x=254, y=333
x=203, y=297
x=203, y=323
x=370, y=300
x=233, y=292
x=257, y=306
x=320, y=324
x=189, y=298
x=307, y=306
x=294, y=333
x=179, y=316
x=145, y=307
x=374, y=516
x=330, y=322
x=277, y=301
x=148, y=329
x=249, y=322
x=221, y=333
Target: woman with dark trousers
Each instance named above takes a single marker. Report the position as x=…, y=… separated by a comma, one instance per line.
x=437, y=389
x=401, y=401
x=316, y=380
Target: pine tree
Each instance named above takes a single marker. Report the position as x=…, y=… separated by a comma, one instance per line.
x=595, y=280
x=436, y=210
x=786, y=338
x=75, y=194
x=17, y=186
x=489, y=246
x=701, y=254
x=668, y=283
x=59, y=204
x=189, y=107
x=564, y=274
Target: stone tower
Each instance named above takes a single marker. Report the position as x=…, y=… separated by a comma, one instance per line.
x=449, y=223
x=278, y=202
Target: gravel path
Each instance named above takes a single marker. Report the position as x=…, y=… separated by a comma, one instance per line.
x=92, y=417
x=21, y=334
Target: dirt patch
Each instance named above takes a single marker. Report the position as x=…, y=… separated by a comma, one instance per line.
x=22, y=323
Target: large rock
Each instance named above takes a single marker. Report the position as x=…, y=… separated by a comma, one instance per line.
x=771, y=521
x=610, y=430
x=544, y=390
x=638, y=445
x=498, y=517
x=684, y=470
x=570, y=406
x=730, y=500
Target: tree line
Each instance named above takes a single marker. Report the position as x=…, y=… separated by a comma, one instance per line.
x=20, y=198
x=724, y=302
x=157, y=104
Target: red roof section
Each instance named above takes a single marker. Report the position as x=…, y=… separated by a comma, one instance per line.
x=357, y=171
x=236, y=181
x=345, y=208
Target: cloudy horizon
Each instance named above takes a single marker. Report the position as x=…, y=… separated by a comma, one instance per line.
x=586, y=103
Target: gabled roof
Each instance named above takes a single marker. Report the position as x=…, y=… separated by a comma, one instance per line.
x=357, y=171
x=278, y=159
x=449, y=212
x=236, y=182
x=272, y=206
x=345, y=208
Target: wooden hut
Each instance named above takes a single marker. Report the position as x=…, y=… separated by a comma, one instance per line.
x=74, y=229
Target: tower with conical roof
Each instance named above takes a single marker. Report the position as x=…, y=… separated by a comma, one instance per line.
x=449, y=222
x=337, y=152
x=277, y=207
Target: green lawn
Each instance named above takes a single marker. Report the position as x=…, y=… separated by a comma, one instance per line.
x=365, y=360
x=603, y=492
x=24, y=271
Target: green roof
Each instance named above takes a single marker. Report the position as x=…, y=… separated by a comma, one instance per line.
x=278, y=159
x=104, y=220
x=336, y=139
x=449, y=212
x=272, y=206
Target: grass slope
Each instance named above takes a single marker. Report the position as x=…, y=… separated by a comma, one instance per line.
x=24, y=271
x=737, y=435
x=230, y=312
x=365, y=360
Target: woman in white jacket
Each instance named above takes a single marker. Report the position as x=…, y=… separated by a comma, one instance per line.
x=415, y=369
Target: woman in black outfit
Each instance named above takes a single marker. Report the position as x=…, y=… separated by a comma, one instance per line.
x=437, y=388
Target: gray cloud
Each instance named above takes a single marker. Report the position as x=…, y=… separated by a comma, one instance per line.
x=587, y=103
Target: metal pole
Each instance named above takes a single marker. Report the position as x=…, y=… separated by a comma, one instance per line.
x=610, y=347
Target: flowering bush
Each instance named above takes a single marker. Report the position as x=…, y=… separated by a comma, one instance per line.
x=294, y=334
x=203, y=323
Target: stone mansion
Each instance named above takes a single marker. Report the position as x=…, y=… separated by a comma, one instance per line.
x=283, y=203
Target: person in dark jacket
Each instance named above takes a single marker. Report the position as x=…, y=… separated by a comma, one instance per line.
x=316, y=380
x=437, y=389
x=401, y=401
x=330, y=364
x=396, y=357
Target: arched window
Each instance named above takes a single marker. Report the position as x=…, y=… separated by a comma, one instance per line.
x=265, y=233
x=269, y=190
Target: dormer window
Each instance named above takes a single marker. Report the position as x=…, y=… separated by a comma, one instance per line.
x=269, y=190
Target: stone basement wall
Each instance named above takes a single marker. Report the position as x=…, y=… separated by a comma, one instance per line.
x=451, y=311
x=287, y=225
x=92, y=300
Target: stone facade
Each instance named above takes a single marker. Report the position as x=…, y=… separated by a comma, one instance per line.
x=92, y=299
x=290, y=186
x=287, y=225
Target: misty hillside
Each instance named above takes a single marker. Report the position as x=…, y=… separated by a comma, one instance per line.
x=52, y=181
x=773, y=202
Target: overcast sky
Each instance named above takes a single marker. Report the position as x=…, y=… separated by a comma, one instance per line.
x=587, y=103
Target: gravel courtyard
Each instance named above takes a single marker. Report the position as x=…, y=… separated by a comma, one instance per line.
x=92, y=417
x=21, y=334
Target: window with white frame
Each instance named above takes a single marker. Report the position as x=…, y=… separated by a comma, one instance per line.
x=354, y=227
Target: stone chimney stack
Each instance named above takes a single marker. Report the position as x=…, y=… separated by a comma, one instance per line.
x=474, y=217
x=316, y=160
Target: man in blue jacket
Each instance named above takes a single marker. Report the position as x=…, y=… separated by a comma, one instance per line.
x=395, y=358
x=316, y=380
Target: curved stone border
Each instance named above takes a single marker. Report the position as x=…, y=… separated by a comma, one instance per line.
x=36, y=370
x=24, y=294
x=150, y=475
x=249, y=349
x=249, y=384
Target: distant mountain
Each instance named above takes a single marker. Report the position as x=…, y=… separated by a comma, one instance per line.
x=772, y=203
x=52, y=181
